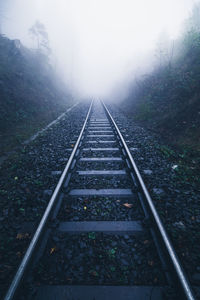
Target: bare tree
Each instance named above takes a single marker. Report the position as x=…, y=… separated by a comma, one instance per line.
x=40, y=36
x=164, y=50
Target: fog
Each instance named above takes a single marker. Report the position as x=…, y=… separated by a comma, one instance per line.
x=97, y=45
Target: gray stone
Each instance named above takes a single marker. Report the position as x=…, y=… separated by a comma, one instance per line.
x=158, y=191
x=147, y=172
x=126, y=237
x=124, y=262
x=179, y=225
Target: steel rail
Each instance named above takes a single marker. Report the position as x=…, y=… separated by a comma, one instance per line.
x=29, y=252
x=174, y=259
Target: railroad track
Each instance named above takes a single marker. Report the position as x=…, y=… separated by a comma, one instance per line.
x=100, y=236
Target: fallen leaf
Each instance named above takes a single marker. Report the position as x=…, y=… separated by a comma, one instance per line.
x=18, y=254
x=150, y=262
x=146, y=242
x=69, y=279
x=21, y=236
x=94, y=273
x=128, y=205
x=52, y=250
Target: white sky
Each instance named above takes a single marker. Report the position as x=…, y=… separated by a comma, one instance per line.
x=97, y=42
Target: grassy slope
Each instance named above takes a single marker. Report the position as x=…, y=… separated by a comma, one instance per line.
x=29, y=95
x=168, y=101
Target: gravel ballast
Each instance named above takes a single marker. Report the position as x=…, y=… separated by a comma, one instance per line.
x=26, y=186
x=175, y=196
x=100, y=209
x=128, y=257
x=95, y=258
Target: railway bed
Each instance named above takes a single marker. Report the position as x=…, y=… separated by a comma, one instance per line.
x=100, y=236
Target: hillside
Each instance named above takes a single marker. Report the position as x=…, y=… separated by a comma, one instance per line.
x=168, y=100
x=30, y=95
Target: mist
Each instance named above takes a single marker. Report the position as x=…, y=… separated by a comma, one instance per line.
x=97, y=45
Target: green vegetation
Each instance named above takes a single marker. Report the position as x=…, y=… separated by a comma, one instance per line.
x=30, y=95
x=167, y=152
x=92, y=235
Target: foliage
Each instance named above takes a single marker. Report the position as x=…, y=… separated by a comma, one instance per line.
x=168, y=152
x=168, y=98
x=145, y=111
x=29, y=94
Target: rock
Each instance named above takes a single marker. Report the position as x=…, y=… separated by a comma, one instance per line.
x=174, y=167
x=158, y=191
x=97, y=268
x=69, y=256
x=179, y=225
x=147, y=172
x=55, y=239
x=177, y=191
x=113, y=244
x=124, y=262
x=47, y=192
x=168, y=205
x=82, y=245
x=90, y=252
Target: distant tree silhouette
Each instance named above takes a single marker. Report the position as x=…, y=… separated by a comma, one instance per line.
x=39, y=35
x=164, y=50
